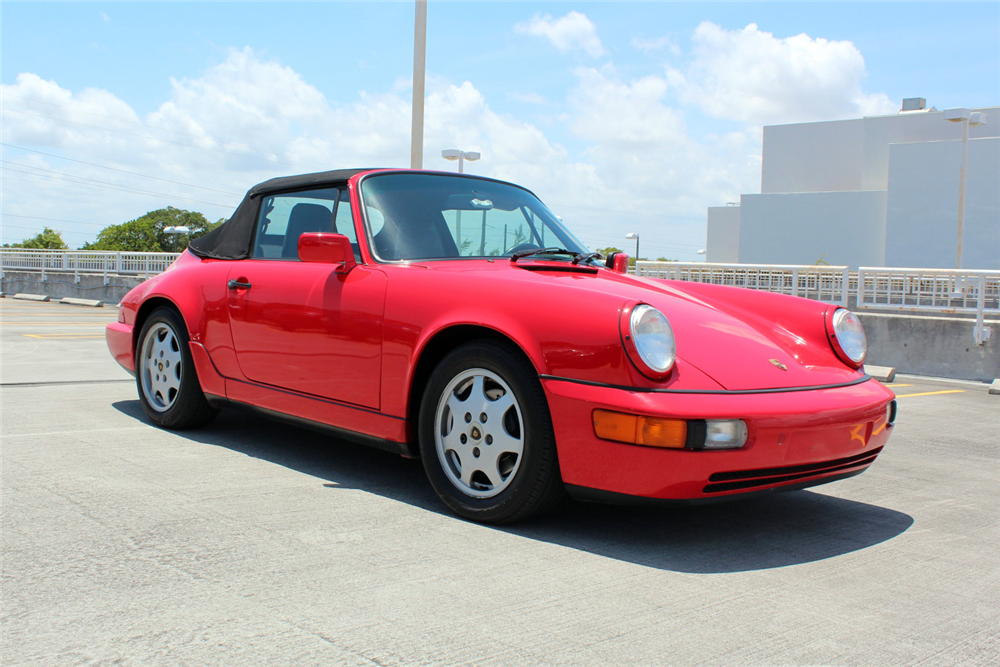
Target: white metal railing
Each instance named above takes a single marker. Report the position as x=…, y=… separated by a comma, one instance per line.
x=85, y=261
x=941, y=291
x=953, y=291
x=830, y=284
x=937, y=291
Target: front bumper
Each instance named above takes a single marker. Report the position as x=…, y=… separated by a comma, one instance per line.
x=119, y=338
x=795, y=439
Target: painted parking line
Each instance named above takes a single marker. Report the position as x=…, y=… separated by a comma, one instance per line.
x=55, y=324
x=932, y=393
x=55, y=336
x=897, y=386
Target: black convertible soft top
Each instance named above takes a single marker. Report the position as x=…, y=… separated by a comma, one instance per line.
x=231, y=240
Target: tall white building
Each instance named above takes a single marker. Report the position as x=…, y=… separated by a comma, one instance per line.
x=874, y=191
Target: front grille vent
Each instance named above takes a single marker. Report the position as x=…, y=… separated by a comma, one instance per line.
x=748, y=479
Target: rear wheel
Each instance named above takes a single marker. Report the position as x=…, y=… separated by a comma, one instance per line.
x=486, y=435
x=165, y=376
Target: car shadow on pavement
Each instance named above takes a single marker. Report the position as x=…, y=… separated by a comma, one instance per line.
x=759, y=533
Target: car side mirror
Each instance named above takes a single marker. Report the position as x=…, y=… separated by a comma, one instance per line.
x=617, y=262
x=327, y=248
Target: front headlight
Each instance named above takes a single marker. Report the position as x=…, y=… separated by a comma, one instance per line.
x=849, y=337
x=650, y=341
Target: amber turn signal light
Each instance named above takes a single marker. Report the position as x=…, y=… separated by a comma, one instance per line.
x=636, y=430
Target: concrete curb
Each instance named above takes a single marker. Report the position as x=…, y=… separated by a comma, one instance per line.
x=72, y=301
x=881, y=373
x=995, y=387
x=32, y=297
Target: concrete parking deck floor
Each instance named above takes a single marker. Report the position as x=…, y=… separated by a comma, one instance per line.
x=253, y=543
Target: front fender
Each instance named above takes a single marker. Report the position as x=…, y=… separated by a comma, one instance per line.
x=566, y=332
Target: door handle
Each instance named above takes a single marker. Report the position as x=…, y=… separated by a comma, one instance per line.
x=235, y=284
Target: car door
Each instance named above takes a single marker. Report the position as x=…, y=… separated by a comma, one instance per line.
x=300, y=325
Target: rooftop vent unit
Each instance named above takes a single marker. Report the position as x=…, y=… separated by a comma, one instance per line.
x=915, y=105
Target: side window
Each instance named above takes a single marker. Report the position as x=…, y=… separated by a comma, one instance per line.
x=283, y=218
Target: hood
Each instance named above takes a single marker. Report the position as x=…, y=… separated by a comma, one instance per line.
x=743, y=339
x=750, y=340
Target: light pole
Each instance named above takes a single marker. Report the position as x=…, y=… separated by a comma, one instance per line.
x=967, y=119
x=455, y=154
x=417, y=109
x=634, y=235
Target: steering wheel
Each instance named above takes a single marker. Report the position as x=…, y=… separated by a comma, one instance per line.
x=519, y=247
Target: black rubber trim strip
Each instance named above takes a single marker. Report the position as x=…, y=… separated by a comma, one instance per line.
x=648, y=390
x=568, y=268
x=587, y=494
x=767, y=481
x=401, y=448
x=791, y=470
x=328, y=401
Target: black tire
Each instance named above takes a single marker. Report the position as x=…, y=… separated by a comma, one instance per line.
x=510, y=469
x=165, y=375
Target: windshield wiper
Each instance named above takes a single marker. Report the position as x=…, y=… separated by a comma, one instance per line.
x=540, y=251
x=577, y=256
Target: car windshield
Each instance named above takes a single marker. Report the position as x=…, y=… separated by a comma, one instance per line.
x=412, y=216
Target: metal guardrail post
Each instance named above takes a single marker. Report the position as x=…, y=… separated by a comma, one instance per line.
x=982, y=332
x=859, y=302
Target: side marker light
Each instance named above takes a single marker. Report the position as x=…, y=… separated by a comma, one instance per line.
x=695, y=434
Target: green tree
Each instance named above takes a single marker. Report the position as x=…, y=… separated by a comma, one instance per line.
x=48, y=239
x=146, y=234
x=607, y=251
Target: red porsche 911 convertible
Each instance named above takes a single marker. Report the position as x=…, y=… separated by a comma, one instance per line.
x=454, y=318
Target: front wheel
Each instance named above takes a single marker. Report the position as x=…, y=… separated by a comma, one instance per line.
x=486, y=435
x=168, y=385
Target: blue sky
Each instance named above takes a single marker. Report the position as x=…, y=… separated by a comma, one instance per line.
x=622, y=116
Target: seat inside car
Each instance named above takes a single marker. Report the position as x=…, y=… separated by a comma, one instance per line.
x=305, y=218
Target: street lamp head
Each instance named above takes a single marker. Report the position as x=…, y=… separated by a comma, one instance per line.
x=957, y=115
x=977, y=119
x=455, y=154
x=632, y=235
x=180, y=229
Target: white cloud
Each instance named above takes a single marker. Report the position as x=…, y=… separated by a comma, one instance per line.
x=573, y=31
x=647, y=159
x=637, y=162
x=249, y=118
x=245, y=120
x=751, y=75
x=656, y=44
